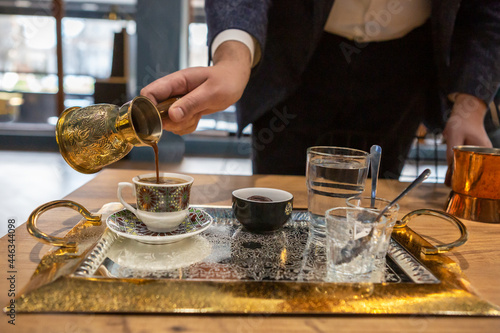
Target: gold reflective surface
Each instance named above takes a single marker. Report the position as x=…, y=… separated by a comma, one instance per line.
x=95, y=136
x=442, y=215
x=55, y=288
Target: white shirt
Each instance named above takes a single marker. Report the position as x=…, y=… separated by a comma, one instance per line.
x=376, y=20
x=360, y=20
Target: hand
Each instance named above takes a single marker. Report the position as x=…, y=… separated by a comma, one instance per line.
x=206, y=89
x=465, y=127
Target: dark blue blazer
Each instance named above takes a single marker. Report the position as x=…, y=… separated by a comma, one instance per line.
x=465, y=36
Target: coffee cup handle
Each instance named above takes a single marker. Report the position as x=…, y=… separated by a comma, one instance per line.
x=121, y=186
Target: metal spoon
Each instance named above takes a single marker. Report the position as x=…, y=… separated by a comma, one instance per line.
x=375, y=152
x=355, y=247
x=423, y=176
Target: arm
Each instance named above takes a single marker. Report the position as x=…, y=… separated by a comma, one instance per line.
x=211, y=89
x=246, y=15
x=207, y=89
x=474, y=73
x=474, y=66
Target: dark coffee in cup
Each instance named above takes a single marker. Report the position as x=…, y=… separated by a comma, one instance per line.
x=162, y=180
x=161, y=206
x=260, y=198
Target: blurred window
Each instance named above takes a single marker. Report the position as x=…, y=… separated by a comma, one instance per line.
x=28, y=63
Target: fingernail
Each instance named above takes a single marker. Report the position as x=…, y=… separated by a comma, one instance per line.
x=177, y=113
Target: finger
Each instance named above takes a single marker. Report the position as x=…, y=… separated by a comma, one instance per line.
x=451, y=141
x=449, y=174
x=187, y=126
x=185, y=131
x=454, y=137
x=199, y=100
x=178, y=83
x=479, y=140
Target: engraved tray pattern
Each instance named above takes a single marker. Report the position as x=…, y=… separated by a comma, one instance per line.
x=227, y=252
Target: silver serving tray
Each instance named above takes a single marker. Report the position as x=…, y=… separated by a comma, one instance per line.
x=227, y=252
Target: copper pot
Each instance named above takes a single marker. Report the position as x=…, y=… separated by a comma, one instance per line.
x=475, y=184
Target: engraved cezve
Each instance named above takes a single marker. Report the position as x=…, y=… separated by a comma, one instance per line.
x=95, y=136
x=90, y=139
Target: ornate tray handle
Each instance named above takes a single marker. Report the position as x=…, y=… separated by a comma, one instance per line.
x=52, y=240
x=443, y=215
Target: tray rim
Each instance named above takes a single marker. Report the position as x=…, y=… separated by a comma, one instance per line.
x=55, y=288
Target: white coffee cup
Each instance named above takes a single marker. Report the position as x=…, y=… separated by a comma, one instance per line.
x=162, y=207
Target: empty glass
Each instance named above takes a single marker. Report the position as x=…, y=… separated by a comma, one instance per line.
x=392, y=216
x=353, y=236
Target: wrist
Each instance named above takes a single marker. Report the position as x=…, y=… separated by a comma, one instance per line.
x=233, y=52
x=468, y=107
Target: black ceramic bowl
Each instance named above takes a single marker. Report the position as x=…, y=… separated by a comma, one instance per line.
x=261, y=209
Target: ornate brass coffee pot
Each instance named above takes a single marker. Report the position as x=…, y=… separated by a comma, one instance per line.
x=92, y=137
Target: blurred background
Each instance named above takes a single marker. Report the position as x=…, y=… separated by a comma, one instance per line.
x=56, y=54
x=106, y=52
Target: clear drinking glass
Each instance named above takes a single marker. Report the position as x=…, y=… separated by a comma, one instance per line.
x=352, y=238
x=392, y=216
x=333, y=174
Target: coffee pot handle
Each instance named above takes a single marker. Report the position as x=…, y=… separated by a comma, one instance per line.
x=52, y=240
x=165, y=105
x=121, y=186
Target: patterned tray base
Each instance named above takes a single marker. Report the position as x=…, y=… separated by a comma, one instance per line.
x=226, y=251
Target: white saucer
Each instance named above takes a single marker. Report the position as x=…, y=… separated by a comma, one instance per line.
x=148, y=258
x=126, y=224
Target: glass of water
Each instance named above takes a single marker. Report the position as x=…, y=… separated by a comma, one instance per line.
x=392, y=216
x=353, y=235
x=333, y=174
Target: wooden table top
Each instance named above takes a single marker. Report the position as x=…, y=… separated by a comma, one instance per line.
x=478, y=258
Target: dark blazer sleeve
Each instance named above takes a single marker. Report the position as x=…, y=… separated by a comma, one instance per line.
x=247, y=15
x=287, y=33
x=475, y=50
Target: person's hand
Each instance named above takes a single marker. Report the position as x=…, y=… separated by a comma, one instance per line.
x=465, y=127
x=206, y=89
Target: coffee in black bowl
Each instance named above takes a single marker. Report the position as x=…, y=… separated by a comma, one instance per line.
x=259, y=198
x=261, y=209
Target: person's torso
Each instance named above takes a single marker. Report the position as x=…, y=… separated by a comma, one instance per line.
x=376, y=20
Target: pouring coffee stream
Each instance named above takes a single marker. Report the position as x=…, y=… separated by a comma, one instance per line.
x=162, y=108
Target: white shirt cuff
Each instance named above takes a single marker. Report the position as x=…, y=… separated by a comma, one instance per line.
x=237, y=35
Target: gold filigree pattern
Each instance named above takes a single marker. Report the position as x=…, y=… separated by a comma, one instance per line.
x=89, y=140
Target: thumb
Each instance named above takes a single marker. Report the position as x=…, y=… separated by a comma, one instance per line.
x=450, y=143
x=453, y=138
